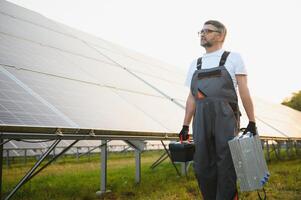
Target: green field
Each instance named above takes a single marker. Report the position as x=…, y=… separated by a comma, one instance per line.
x=70, y=179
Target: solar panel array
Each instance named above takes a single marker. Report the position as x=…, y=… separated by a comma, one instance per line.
x=54, y=75
x=83, y=84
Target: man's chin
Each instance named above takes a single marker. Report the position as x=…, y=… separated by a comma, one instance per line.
x=205, y=45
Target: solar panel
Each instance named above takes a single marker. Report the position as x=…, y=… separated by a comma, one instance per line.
x=87, y=105
x=49, y=61
x=40, y=35
x=273, y=120
x=170, y=88
x=164, y=72
x=165, y=78
x=32, y=56
x=29, y=16
x=114, y=76
x=282, y=118
x=107, y=48
x=19, y=107
x=161, y=110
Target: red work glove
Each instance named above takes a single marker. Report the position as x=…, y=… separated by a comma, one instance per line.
x=183, y=135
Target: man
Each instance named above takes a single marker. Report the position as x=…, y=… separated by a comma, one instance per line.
x=213, y=104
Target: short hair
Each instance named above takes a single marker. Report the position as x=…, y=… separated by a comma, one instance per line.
x=220, y=27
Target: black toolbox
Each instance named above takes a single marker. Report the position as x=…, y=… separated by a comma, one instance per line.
x=181, y=151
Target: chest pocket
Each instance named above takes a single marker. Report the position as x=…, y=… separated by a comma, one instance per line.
x=209, y=74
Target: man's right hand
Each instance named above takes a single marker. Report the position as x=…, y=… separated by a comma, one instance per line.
x=183, y=135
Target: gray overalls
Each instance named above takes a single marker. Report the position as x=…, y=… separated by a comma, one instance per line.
x=215, y=122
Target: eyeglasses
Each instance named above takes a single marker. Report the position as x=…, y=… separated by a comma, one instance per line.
x=206, y=31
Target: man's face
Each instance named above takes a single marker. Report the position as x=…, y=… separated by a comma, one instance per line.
x=209, y=35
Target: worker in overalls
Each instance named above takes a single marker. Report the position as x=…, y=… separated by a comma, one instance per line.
x=213, y=104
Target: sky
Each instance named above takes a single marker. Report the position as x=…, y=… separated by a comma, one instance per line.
x=265, y=33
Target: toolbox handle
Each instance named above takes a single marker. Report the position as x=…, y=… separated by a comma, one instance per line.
x=241, y=134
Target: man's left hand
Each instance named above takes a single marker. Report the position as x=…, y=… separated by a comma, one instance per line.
x=251, y=128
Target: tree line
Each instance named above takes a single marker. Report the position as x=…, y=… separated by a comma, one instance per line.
x=294, y=102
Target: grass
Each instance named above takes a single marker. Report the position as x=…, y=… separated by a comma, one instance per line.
x=71, y=179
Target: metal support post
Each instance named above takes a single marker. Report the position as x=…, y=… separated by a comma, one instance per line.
x=1, y=159
x=279, y=149
x=89, y=153
x=183, y=168
x=290, y=150
x=287, y=148
x=77, y=154
x=268, y=150
x=297, y=147
x=7, y=159
x=275, y=150
x=138, y=166
x=262, y=142
x=104, y=155
x=103, y=168
x=25, y=156
x=291, y=144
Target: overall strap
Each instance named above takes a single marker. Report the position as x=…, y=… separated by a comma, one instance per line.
x=224, y=58
x=221, y=62
x=199, y=63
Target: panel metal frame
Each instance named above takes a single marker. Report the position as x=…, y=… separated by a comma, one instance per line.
x=11, y=132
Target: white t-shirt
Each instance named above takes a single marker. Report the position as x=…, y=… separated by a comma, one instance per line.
x=234, y=64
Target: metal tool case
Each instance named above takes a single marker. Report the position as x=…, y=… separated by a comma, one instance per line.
x=249, y=162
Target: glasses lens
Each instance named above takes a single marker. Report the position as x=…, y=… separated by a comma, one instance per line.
x=206, y=31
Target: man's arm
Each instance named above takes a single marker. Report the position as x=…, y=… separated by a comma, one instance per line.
x=190, y=109
x=245, y=96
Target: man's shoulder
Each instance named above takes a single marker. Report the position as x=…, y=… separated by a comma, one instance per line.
x=193, y=62
x=234, y=55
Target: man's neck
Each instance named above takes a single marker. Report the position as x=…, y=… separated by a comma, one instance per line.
x=213, y=48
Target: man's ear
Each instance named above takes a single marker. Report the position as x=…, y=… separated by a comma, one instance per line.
x=221, y=37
